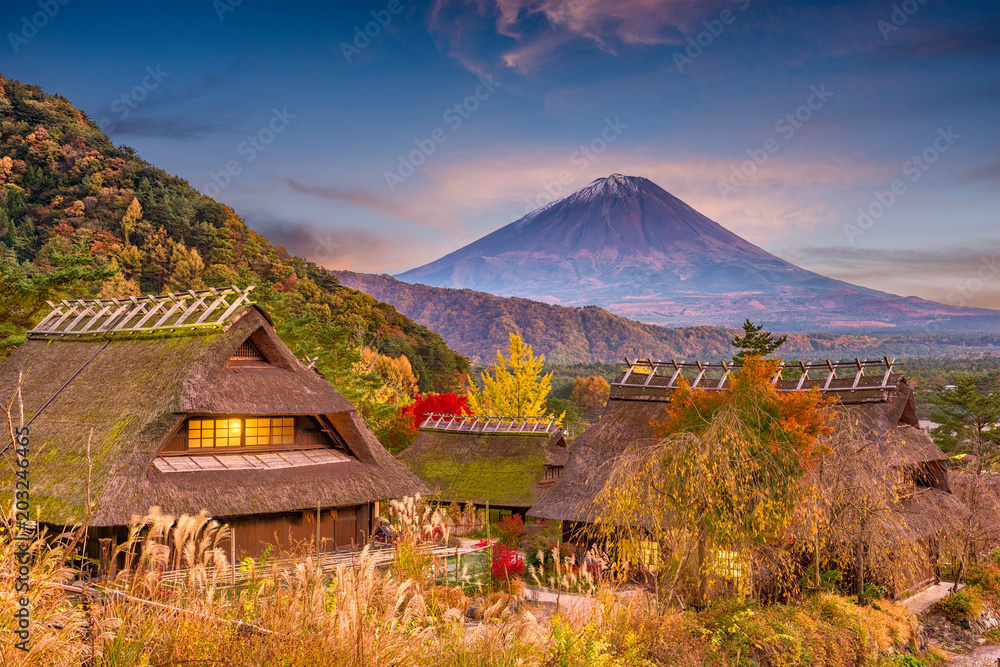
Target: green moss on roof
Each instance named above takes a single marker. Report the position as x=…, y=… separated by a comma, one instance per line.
x=503, y=470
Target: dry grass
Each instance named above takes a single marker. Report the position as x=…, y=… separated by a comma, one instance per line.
x=361, y=615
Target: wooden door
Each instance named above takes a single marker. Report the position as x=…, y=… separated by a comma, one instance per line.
x=345, y=530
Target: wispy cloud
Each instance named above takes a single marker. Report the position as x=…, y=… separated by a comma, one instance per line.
x=167, y=126
x=531, y=32
x=350, y=248
x=354, y=196
x=957, y=276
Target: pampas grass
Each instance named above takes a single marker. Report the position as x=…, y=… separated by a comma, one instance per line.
x=362, y=615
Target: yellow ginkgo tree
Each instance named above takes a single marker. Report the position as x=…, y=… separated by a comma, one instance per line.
x=513, y=386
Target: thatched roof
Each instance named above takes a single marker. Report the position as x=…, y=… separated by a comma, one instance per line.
x=623, y=424
x=502, y=467
x=885, y=408
x=125, y=395
x=929, y=510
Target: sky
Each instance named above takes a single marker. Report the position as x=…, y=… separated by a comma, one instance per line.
x=857, y=139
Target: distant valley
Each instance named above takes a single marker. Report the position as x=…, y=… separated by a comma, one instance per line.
x=476, y=324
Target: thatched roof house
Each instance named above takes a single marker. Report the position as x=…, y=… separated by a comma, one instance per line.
x=878, y=395
x=504, y=461
x=188, y=402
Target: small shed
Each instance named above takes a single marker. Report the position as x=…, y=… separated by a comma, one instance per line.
x=508, y=462
x=191, y=402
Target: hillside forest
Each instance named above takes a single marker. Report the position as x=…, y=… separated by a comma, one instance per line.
x=82, y=218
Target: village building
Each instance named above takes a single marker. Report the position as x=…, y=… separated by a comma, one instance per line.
x=878, y=395
x=509, y=463
x=191, y=402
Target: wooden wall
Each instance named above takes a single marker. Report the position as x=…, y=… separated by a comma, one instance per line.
x=339, y=528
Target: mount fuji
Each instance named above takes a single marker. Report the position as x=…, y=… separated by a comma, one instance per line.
x=627, y=245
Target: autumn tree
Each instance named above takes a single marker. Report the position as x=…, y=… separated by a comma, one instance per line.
x=755, y=341
x=398, y=383
x=724, y=478
x=852, y=513
x=514, y=385
x=131, y=218
x=967, y=415
x=590, y=394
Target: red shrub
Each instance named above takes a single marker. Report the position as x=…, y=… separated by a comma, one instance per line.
x=506, y=564
x=448, y=404
x=510, y=529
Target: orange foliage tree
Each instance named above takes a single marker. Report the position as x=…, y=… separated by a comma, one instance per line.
x=722, y=481
x=590, y=394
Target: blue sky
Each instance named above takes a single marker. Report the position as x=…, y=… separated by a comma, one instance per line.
x=780, y=120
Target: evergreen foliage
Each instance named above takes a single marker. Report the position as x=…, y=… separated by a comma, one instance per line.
x=968, y=415
x=755, y=341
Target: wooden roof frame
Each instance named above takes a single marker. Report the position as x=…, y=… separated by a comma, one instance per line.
x=478, y=424
x=106, y=318
x=677, y=368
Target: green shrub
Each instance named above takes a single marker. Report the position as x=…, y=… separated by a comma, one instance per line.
x=966, y=603
x=986, y=577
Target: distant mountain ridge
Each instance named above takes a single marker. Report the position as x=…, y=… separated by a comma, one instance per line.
x=628, y=245
x=476, y=325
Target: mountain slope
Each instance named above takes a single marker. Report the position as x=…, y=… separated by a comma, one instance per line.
x=476, y=324
x=626, y=244
x=73, y=206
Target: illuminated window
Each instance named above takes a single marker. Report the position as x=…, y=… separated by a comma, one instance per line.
x=236, y=432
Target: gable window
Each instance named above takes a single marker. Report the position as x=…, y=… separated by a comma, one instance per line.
x=248, y=355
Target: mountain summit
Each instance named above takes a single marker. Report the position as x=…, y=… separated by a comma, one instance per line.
x=626, y=244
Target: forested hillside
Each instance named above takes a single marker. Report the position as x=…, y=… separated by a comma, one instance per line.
x=476, y=324
x=82, y=218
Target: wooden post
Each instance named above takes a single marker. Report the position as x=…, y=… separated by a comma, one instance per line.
x=317, y=528
x=489, y=543
x=232, y=551
x=558, y=559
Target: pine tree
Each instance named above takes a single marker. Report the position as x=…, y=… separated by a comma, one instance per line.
x=755, y=341
x=516, y=387
x=967, y=418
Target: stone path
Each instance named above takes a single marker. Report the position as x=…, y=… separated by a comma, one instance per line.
x=923, y=600
x=984, y=656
